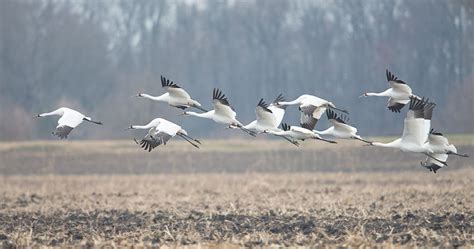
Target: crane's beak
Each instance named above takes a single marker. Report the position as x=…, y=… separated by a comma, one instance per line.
x=129, y=128
x=36, y=116
x=363, y=95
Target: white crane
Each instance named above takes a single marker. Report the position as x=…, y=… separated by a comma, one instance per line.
x=416, y=128
x=340, y=127
x=69, y=120
x=441, y=149
x=175, y=96
x=269, y=117
x=298, y=133
x=311, y=106
x=223, y=113
x=399, y=93
x=160, y=131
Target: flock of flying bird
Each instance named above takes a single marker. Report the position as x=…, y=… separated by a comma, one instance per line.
x=417, y=137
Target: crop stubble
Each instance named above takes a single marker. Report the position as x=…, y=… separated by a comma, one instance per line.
x=253, y=209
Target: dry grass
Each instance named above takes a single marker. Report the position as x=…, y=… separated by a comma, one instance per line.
x=256, y=155
x=95, y=193
x=344, y=209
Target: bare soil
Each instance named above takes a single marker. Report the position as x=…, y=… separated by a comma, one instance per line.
x=348, y=209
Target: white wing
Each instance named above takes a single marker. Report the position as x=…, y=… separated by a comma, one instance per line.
x=416, y=128
x=343, y=127
x=168, y=127
x=432, y=164
x=223, y=110
x=221, y=104
x=437, y=140
x=177, y=92
x=400, y=88
x=265, y=117
x=173, y=89
x=279, y=113
x=414, y=131
x=70, y=118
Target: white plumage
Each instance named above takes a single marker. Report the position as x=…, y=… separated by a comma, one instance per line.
x=269, y=117
x=160, y=131
x=399, y=93
x=175, y=96
x=311, y=106
x=298, y=133
x=340, y=127
x=69, y=120
x=223, y=113
x=416, y=128
x=441, y=149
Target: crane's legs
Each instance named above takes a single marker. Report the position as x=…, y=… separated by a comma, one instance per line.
x=428, y=155
x=456, y=154
x=289, y=140
x=200, y=108
x=249, y=132
x=361, y=139
x=189, y=139
x=325, y=140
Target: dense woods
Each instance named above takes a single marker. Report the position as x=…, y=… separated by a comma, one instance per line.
x=94, y=55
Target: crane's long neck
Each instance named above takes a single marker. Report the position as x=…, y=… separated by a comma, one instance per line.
x=277, y=133
x=208, y=115
x=385, y=93
x=57, y=112
x=163, y=97
x=328, y=131
x=393, y=144
x=294, y=102
x=143, y=127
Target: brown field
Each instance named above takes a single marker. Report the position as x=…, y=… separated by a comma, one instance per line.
x=111, y=193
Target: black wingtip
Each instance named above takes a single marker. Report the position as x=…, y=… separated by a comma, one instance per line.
x=339, y=118
x=285, y=126
x=392, y=77
x=434, y=132
x=217, y=94
x=167, y=83
x=279, y=98
x=396, y=108
x=264, y=105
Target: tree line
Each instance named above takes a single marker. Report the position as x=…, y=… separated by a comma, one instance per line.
x=94, y=55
